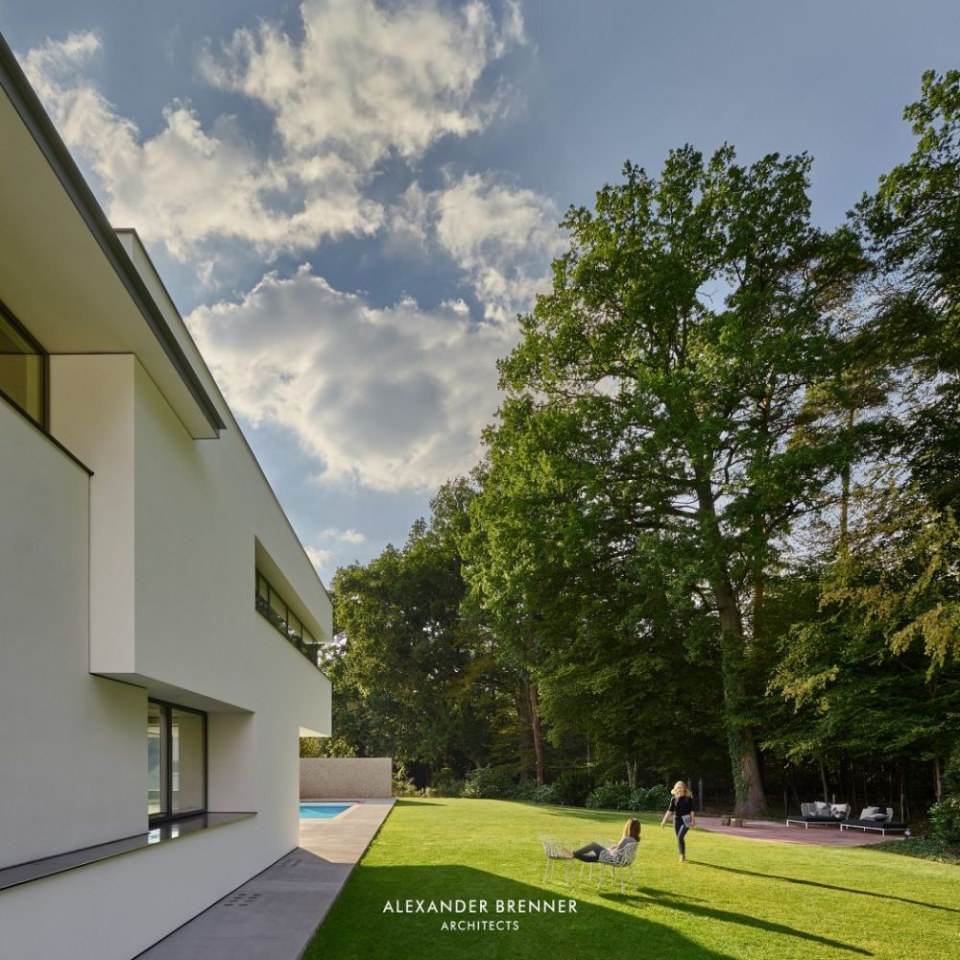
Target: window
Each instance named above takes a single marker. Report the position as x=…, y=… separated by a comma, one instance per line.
x=23, y=369
x=176, y=761
x=286, y=622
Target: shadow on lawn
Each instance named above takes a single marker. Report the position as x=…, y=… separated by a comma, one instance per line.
x=357, y=927
x=580, y=813
x=684, y=904
x=828, y=886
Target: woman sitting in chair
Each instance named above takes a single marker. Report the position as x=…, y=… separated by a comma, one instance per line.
x=594, y=852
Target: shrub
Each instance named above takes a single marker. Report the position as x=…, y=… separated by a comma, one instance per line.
x=945, y=822
x=525, y=790
x=446, y=784
x=573, y=787
x=403, y=785
x=489, y=783
x=610, y=796
x=529, y=791
x=656, y=797
x=545, y=793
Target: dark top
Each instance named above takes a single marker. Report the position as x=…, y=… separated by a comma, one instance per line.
x=681, y=806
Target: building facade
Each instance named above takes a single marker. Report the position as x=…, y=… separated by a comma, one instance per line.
x=159, y=619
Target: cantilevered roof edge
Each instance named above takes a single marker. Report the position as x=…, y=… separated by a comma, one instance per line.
x=31, y=111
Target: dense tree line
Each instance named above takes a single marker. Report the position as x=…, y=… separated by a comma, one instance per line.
x=714, y=531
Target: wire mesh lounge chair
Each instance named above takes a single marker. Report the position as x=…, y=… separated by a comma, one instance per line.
x=620, y=863
x=555, y=851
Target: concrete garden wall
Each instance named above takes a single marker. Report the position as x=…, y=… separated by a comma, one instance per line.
x=345, y=778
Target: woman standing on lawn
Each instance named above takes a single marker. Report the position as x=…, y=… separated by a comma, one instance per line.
x=681, y=806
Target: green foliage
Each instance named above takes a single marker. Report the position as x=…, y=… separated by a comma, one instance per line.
x=652, y=429
x=489, y=783
x=446, y=784
x=945, y=822
x=620, y=796
x=403, y=785
x=336, y=746
x=610, y=796
x=573, y=787
x=545, y=793
x=656, y=797
x=951, y=772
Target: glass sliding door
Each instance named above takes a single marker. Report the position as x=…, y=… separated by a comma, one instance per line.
x=176, y=761
x=187, y=761
x=156, y=755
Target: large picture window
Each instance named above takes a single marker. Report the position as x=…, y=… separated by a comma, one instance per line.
x=176, y=761
x=272, y=605
x=23, y=369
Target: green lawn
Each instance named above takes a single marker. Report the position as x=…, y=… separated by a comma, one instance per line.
x=734, y=898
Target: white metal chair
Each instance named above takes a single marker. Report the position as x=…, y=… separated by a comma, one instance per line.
x=621, y=862
x=554, y=850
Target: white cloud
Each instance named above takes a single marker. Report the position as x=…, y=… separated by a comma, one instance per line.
x=501, y=236
x=394, y=397
x=364, y=82
x=342, y=536
x=186, y=185
x=368, y=79
x=320, y=559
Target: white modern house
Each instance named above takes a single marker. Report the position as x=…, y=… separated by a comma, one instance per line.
x=159, y=619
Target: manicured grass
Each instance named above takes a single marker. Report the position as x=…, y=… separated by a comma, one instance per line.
x=735, y=898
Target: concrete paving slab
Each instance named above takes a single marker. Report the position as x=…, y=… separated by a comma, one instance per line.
x=274, y=914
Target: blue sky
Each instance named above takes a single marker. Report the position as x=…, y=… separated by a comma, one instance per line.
x=350, y=200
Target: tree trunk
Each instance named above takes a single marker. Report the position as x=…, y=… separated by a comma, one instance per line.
x=536, y=730
x=522, y=700
x=632, y=774
x=823, y=782
x=744, y=760
x=937, y=780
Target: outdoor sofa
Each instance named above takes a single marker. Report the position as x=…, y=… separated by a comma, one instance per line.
x=877, y=820
x=820, y=814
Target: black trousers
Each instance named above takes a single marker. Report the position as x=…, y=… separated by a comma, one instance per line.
x=682, y=830
x=590, y=853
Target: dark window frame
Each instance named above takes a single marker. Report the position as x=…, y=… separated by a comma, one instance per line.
x=167, y=815
x=44, y=422
x=305, y=643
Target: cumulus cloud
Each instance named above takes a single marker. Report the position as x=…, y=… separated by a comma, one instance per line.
x=342, y=536
x=393, y=397
x=321, y=559
x=185, y=185
x=365, y=81
x=501, y=236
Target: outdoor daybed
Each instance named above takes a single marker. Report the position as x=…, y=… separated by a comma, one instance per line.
x=876, y=819
x=820, y=814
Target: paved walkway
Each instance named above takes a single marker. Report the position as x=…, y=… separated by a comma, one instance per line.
x=822, y=836
x=274, y=915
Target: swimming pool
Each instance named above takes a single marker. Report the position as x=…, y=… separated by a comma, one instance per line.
x=322, y=811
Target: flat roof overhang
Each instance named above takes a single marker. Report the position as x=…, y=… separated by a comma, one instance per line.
x=64, y=271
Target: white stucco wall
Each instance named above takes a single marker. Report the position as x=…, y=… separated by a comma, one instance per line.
x=72, y=748
x=145, y=574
